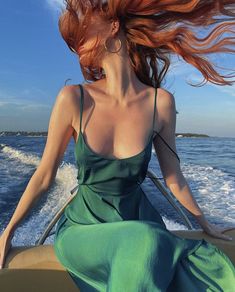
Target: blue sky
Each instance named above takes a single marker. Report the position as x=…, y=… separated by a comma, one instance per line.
x=35, y=62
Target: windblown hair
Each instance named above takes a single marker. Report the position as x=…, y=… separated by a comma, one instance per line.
x=154, y=30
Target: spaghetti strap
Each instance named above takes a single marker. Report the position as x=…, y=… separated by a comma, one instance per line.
x=81, y=105
x=167, y=145
x=154, y=108
x=156, y=131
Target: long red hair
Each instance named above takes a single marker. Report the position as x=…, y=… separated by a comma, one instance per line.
x=154, y=30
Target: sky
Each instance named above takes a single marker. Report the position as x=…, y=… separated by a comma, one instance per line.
x=35, y=62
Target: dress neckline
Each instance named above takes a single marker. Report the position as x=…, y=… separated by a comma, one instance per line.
x=112, y=158
x=88, y=148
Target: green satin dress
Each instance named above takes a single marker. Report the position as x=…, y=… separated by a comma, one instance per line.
x=111, y=239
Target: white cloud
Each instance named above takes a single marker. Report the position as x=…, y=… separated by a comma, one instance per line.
x=56, y=5
x=229, y=89
x=30, y=93
x=179, y=67
x=22, y=105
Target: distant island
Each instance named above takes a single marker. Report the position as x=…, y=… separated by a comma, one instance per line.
x=22, y=133
x=40, y=134
x=179, y=135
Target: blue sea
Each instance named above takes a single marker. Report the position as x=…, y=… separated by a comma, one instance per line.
x=208, y=165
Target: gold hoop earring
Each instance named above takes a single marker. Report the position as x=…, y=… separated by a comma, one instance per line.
x=112, y=51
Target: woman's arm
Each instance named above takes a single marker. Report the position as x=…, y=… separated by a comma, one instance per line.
x=169, y=164
x=59, y=133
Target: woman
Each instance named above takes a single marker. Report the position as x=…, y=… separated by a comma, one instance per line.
x=109, y=237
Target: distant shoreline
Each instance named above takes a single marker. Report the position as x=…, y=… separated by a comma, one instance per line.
x=43, y=134
x=179, y=135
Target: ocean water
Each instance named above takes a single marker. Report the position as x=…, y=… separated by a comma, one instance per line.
x=208, y=165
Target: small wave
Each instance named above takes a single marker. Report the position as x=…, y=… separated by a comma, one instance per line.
x=14, y=153
x=173, y=225
x=51, y=202
x=17, y=161
x=214, y=189
x=2, y=146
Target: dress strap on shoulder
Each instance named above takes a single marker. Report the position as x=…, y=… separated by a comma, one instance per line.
x=156, y=131
x=81, y=105
x=154, y=110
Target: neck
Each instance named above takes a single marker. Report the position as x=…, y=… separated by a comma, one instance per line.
x=121, y=81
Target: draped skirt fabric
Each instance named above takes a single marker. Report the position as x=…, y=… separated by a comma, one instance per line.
x=140, y=256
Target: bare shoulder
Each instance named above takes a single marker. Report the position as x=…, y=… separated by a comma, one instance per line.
x=165, y=104
x=60, y=131
x=68, y=100
x=166, y=99
x=165, y=108
x=69, y=94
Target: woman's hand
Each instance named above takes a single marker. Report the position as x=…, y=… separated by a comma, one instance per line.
x=5, y=246
x=212, y=229
x=217, y=232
